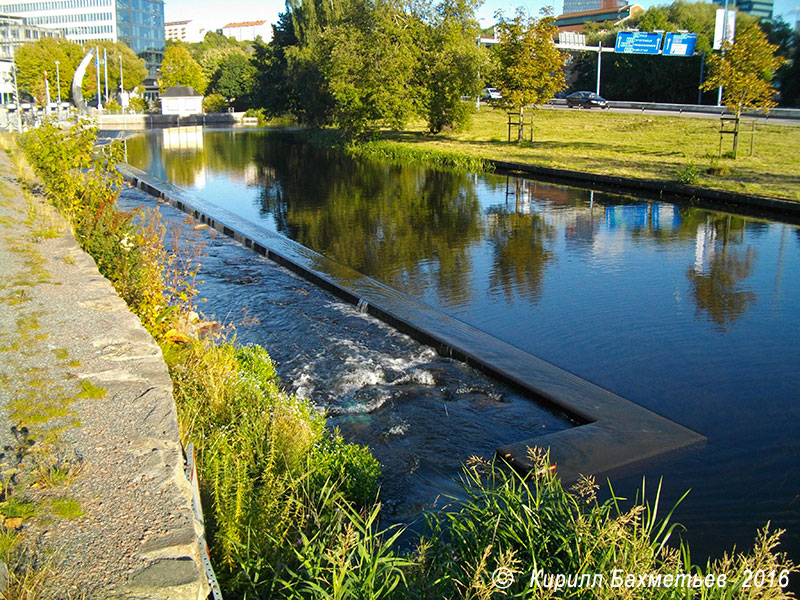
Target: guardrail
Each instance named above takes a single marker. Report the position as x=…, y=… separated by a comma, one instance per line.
x=775, y=113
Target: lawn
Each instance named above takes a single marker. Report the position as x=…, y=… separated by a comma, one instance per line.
x=667, y=148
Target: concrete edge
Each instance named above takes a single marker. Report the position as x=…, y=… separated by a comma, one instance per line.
x=612, y=432
x=763, y=205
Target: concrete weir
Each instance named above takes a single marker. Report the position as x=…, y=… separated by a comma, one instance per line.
x=611, y=432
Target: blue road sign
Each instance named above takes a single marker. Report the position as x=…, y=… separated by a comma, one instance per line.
x=638, y=42
x=680, y=44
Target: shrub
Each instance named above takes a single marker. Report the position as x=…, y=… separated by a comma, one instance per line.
x=214, y=103
x=138, y=105
x=113, y=107
x=690, y=174
x=350, y=466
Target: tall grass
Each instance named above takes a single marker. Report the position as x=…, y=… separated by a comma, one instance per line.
x=293, y=510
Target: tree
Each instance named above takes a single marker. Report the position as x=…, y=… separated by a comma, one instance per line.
x=530, y=66
x=36, y=58
x=745, y=69
x=179, y=68
x=134, y=70
x=450, y=63
x=234, y=79
x=367, y=62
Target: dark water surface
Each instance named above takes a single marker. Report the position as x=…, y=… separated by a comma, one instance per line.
x=694, y=314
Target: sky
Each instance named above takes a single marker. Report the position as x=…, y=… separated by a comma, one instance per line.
x=214, y=14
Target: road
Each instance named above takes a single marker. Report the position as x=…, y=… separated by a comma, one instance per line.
x=682, y=113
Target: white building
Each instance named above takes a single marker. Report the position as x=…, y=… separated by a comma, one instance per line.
x=189, y=31
x=15, y=31
x=248, y=30
x=182, y=101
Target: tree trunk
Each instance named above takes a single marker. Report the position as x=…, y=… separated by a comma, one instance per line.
x=520, y=134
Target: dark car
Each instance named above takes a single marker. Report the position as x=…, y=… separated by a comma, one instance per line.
x=586, y=100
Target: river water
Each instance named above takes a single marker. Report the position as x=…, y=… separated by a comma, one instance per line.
x=692, y=313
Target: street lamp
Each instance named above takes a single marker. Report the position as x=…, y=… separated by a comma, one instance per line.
x=58, y=92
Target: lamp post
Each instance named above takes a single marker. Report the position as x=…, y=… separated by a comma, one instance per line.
x=58, y=83
x=97, y=73
x=105, y=71
x=58, y=91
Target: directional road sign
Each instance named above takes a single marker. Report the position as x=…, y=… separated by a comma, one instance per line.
x=680, y=44
x=638, y=42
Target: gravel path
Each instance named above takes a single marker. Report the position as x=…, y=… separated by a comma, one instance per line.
x=106, y=507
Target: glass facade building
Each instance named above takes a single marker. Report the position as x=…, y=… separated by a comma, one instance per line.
x=140, y=25
x=758, y=8
x=137, y=23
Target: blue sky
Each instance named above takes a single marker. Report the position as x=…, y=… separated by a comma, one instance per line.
x=214, y=14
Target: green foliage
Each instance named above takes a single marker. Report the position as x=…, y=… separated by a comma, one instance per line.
x=179, y=68
x=33, y=59
x=530, y=67
x=16, y=506
x=138, y=105
x=647, y=78
x=441, y=159
x=690, y=174
x=234, y=79
x=450, y=64
x=351, y=467
x=83, y=185
x=91, y=391
x=214, y=103
x=745, y=69
x=255, y=447
x=366, y=62
x=134, y=71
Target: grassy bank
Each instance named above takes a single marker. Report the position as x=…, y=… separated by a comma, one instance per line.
x=293, y=510
x=667, y=148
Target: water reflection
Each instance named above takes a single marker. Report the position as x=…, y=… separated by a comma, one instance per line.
x=430, y=233
x=692, y=313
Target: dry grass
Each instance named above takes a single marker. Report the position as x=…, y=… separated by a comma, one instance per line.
x=629, y=145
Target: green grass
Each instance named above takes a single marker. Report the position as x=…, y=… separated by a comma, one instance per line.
x=18, y=507
x=626, y=145
x=91, y=391
x=66, y=508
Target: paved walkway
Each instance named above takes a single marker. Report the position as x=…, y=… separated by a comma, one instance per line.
x=106, y=509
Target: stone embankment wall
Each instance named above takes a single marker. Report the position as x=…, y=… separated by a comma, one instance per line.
x=111, y=513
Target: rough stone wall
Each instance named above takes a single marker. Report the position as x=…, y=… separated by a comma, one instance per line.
x=133, y=534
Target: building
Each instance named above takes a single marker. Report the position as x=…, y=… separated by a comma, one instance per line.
x=758, y=8
x=182, y=101
x=575, y=21
x=580, y=6
x=137, y=23
x=248, y=30
x=189, y=31
x=15, y=31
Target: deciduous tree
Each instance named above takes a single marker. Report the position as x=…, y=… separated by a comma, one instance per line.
x=451, y=63
x=745, y=69
x=34, y=59
x=530, y=67
x=179, y=68
x=234, y=79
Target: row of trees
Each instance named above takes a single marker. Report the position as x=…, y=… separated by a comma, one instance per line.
x=37, y=60
x=364, y=64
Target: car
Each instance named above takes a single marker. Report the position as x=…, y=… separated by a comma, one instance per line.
x=491, y=93
x=586, y=100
